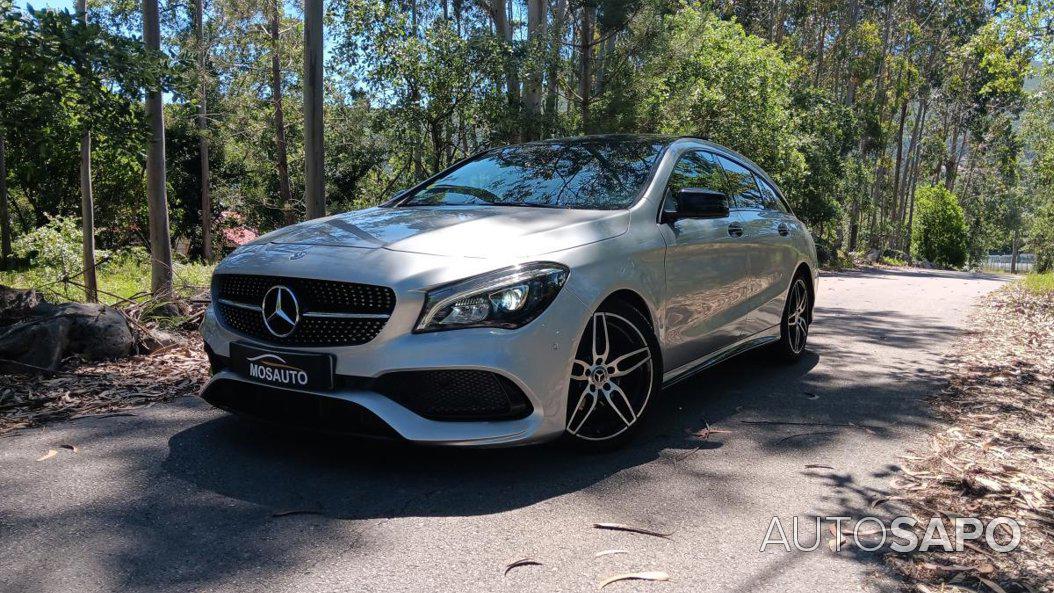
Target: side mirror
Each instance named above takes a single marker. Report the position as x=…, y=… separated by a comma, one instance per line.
x=699, y=202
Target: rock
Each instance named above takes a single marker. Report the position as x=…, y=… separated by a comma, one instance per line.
x=16, y=304
x=156, y=339
x=36, y=332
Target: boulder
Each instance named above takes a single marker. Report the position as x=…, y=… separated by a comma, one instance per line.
x=42, y=334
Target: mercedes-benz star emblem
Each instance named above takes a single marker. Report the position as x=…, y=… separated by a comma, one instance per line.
x=281, y=311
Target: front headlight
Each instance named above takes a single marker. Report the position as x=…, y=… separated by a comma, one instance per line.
x=507, y=298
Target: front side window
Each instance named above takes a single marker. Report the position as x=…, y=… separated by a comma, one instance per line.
x=742, y=187
x=696, y=169
x=589, y=174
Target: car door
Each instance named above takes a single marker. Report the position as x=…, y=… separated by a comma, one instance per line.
x=784, y=230
x=762, y=238
x=707, y=266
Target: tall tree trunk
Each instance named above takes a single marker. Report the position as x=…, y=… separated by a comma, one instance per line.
x=5, y=216
x=281, y=157
x=203, y=140
x=314, y=190
x=1014, y=245
x=952, y=173
x=585, y=65
x=536, y=40
x=91, y=286
x=820, y=43
x=897, y=163
x=552, y=95
x=909, y=170
x=157, y=200
x=499, y=13
x=854, y=216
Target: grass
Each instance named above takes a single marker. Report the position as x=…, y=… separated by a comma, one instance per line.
x=119, y=278
x=1040, y=283
x=892, y=261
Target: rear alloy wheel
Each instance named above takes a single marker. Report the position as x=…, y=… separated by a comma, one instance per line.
x=794, y=327
x=613, y=376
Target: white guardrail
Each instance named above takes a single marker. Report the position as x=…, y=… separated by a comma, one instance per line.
x=1001, y=262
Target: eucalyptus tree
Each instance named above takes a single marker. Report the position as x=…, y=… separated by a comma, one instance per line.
x=156, y=189
x=314, y=163
x=91, y=288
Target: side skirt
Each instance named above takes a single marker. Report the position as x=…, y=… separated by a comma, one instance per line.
x=684, y=372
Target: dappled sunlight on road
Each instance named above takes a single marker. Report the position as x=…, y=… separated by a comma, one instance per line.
x=181, y=496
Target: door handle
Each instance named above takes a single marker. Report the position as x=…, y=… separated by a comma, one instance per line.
x=783, y=229
x=735, y=229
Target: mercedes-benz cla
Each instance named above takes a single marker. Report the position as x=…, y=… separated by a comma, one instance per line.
x=529, y=292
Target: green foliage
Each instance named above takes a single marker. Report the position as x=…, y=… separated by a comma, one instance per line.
x=121, y=275
x=54, y=246
x=849, y=105
x=707, y=77
x=940, y=234
x=1040, y=283
x=1041, y=238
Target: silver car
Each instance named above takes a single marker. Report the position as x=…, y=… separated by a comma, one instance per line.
x=527, y=293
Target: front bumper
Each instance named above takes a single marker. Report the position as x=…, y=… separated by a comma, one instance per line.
x=536, y=358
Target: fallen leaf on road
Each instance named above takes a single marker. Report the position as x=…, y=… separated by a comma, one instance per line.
x=70, y=447
x=51, y=453
x=622, y=527
x=609, y=553
x=806, y=434
x=521, y=562
x=296, y=512
x=655, y=575
x=992, y=585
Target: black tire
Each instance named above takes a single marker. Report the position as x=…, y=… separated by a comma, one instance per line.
x=605, y=403
x=794, y=325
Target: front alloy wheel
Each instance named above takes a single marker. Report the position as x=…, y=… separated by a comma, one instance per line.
x=613, y=376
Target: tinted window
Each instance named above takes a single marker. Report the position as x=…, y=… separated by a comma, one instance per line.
x=770, y=198
x=742, y=187
x=694, y=169
x=595, y=173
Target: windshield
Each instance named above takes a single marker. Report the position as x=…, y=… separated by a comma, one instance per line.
x=584, y=173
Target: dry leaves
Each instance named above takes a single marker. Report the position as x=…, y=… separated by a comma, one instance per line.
x=630, y=528
x=521, y=562
x=653, y=575
x=996, y=457
x=85, y=389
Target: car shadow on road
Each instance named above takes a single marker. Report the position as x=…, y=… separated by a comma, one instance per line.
x=354, y=479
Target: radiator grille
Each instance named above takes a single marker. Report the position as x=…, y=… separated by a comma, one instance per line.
x=238, y=299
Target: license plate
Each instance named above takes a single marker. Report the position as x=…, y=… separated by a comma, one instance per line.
x=283, y=368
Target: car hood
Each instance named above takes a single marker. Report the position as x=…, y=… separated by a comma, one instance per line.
x=467, y=231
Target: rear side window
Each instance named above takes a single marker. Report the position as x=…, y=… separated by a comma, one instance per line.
x=741, y=185
x=771, y=199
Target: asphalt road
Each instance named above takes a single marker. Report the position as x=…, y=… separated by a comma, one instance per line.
x=180, y=497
